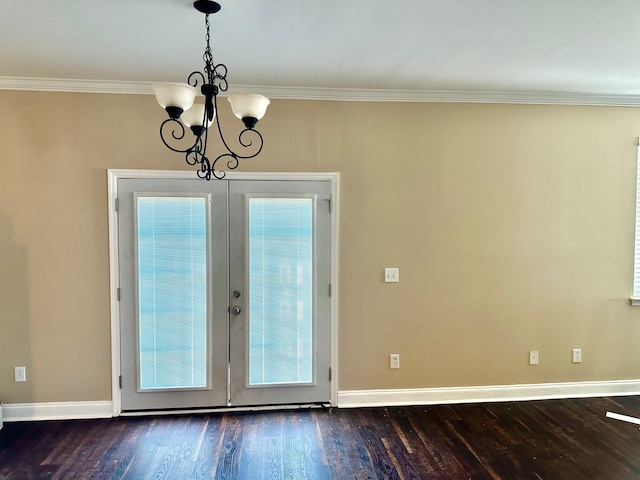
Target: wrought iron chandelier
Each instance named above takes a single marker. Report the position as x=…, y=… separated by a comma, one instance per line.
x=178, y=100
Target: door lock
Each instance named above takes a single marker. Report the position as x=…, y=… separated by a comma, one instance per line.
x=236, y=293
x=236, y=310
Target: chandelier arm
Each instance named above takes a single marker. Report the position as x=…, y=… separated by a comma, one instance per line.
x=194, y=155
x=218, y=174
x=204, y=142
x=205, y=169
x=196, y=78
x=205, y=134
x=232, y=164
x=219, y=77
x=248, y=143
x=208, y=170
x=175, y=124
x=224, y=142
x=244, y=143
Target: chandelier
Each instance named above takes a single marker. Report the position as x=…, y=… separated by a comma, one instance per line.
x=178, y=99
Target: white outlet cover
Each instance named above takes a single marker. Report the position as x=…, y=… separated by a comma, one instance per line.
x=391, y=275
x=20, y=374
x=394, y=360
x=576, y=355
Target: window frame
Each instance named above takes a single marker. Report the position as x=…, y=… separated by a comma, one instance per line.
x=635, y=295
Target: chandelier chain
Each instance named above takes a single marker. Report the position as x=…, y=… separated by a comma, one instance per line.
x=208, y=55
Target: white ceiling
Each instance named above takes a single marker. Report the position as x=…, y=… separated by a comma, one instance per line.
x=517, y=47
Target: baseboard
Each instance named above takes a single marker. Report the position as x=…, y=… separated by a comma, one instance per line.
x=495, y=393
x=22, y=412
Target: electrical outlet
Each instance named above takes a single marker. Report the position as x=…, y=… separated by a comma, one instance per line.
x=533, y=357
x=391, y=275
x=394, y=360
x=576, y=355
x=20, y=374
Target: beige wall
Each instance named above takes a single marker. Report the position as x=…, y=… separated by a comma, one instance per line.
x=512, y=226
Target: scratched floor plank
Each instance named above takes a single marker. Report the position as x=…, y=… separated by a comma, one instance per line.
x=551, y=439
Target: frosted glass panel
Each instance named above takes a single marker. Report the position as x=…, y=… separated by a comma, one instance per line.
x=280, y=286
x=172, y=290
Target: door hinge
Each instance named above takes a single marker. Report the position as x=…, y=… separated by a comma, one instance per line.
x=329, y=373
x=330, y=205
x=120, y=381
x=117, y=204
x=118, y=293
x=330, y=290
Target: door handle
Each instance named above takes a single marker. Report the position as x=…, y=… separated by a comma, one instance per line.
x=236, y=310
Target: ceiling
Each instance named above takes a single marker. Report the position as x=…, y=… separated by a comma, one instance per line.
x=406, y=49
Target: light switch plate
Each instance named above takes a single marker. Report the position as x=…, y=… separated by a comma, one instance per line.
x=391, y=275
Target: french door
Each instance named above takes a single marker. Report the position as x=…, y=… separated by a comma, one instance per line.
x=224, y=292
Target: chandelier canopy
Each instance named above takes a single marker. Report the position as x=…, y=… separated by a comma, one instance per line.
x=179, y=101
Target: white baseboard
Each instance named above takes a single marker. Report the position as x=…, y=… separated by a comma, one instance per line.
x=495, y=393
x=22, y=412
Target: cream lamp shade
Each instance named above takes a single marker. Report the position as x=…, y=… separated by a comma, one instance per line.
x=175, y=95
x=249, y=105
x=194, y=116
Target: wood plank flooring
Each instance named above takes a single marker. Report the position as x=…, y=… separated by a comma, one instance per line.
x=552, y=439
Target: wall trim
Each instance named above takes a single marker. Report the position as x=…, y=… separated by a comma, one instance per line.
x=24, y=412
x=340, y=94
x=481, y=394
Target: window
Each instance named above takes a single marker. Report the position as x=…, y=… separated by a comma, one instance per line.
x=172, y=312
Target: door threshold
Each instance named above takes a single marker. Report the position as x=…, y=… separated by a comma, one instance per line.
x=199, y=410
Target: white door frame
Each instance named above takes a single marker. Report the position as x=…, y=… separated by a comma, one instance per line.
x=116, y=174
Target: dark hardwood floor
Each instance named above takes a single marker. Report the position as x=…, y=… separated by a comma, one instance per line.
x=552, y=439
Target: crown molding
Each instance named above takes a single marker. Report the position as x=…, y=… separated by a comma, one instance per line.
x=73, y=86
x=443, y=96
x=336, y=94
